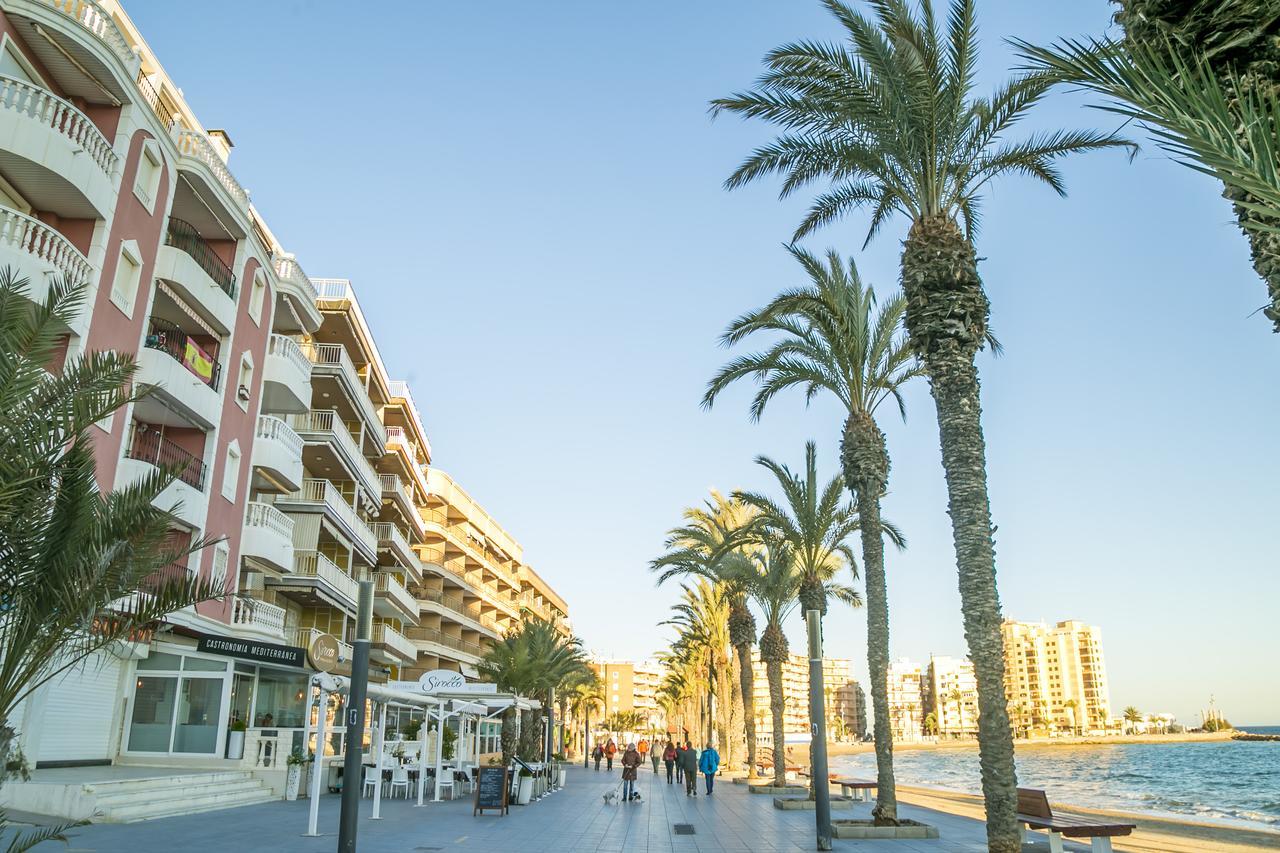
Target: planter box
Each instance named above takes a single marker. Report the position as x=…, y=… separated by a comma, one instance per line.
x=865, y=829
x=775, y=789
x=804, y=804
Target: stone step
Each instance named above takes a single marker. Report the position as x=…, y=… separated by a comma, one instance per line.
x=162, y=783
x=189, y=791
x=172, y=808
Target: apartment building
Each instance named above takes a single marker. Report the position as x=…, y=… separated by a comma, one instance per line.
x=1056, y=677
x=297, y=451
x=632, y=686
x=950, y=698
x=906, y=681
x=841, y=697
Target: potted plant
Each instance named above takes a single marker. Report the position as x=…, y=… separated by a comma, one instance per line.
x=525, y=792
x=561, y=771
x=235, y=740
x=294, y=780
x=412, y=730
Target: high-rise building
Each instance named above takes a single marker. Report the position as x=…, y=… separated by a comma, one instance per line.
x=847, y=712
x=632, y=686
x=295, y=449
x=950, y=698
x=1056, y=677
x=906, y=700
x=841, y=697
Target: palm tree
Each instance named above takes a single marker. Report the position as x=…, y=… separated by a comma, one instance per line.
x=1132, y=716
x=834, y=339
x=1202, y=75
x=1071, y=705
x=815, y=526
x=958, y=698
x=930, y=724
x=892, y=122
x=701, y=618
x=584, y=697
x=700, y=548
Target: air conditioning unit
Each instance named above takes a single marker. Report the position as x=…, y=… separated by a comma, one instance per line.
x=243, y=393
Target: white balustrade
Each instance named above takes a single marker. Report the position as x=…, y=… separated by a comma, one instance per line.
x=286, y=347
x=324, y=492
x=19, y=96
x=197, y=146
x=287, y=268
x=269, y=426
x=313, y=564
x=31, y=236
x=263, y=615
x=267, y=516
x=394, y=640
x=98, y=21
x=334, y=288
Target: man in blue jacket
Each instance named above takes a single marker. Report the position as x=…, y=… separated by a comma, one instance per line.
x=709, y=764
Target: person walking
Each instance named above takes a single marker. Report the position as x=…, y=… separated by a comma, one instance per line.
x=709, y=764
x=630, y=765
x=610, y=750
x=598, y=754
x=689, y=763
x=669, y=759
x=643, y=748
x=679, y=763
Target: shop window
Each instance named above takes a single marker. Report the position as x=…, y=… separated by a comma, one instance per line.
x=124, y=287
x=244, y=385
x=257, y=296
x=279, y=700
x=147, y=182
x=231, y=473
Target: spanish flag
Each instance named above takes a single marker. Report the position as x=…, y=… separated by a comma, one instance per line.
x=198, y=361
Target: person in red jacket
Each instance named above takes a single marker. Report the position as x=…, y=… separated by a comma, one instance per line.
x=669, y=759
x=610, y=750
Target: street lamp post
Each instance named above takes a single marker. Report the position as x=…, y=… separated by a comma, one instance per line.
x=818, y=731
x=355, y=721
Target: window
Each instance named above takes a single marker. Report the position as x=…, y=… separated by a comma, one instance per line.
x=257, y=296
x=244, y=385
x=490, y=736
x=147, y=182
x=278, y=702
x=220, y=558
x=231, y=474
x=124, y=287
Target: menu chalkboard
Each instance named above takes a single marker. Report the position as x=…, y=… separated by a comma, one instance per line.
x=491, y=790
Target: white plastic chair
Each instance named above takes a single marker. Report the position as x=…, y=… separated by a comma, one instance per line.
x=400, y=779
x=371, y=781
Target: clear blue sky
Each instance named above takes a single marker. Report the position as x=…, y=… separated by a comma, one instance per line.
x=527, y=197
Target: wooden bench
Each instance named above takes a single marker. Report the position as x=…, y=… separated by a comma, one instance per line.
x=856, y=789
x=1034, y=812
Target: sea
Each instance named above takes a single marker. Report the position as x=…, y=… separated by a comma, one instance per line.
x=1228, y=782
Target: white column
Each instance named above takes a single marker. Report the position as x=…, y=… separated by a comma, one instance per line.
x=317, y=767
x=439, y=747
x=378, y=742
x=422, y=754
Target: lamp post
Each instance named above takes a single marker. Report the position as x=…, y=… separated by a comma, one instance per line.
x=355, y=721
x=818, y=731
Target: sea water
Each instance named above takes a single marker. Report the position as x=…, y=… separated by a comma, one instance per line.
x=1235, y=782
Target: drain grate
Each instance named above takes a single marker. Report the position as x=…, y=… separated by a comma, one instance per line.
x=684, y=829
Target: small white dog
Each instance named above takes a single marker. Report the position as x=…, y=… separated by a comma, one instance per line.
x=611, y=797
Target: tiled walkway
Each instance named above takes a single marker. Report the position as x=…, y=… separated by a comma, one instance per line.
x=574, y=819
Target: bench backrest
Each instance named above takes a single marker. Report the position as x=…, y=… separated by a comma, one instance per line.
x=1034, y=802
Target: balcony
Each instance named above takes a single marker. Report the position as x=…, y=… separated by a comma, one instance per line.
x=318, y=580
x=332, y=360
x=323, y=496
x=398, y=439
x=391, y=646
x=251, y=615
x=395, y=490
x=455, y=608
x=191, y=265
x=57, y=157
x=182, y=371
x=146, y=451
x=81, y=46
x=390, y=598
x=438, y=522
x=39, y=253
x=277, y=456
x=286, y=377
x=437, y=643
x=327, y=435
x=296, y=309
x=221, y=198
x=268, y=537
x=391, y=539
x=304, y=637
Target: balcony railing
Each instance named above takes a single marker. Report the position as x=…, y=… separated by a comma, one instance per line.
x=147, y=444
x=313, y=564
x=19, y=96
x=325, y=422
x=184, y=236
x=326, y=493
x=334, y=288
x=98, y=21
x=335, y=355
x=262, y=615
x=31, y=236
x=386, y=584
x=431, y=635
x=393, y=485
x=172, y=339
x=394, y=640
x=389, y=533
x=269, y=426
x=287, y=268
x=303, y=637
x=196, y=145
x=267, y=516
x=286, y=347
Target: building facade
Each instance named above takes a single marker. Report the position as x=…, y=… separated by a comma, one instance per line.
x=632, y=686
x=906, y=680
x=950, y=698
x=297, y=451
x=842, y=697
x=1056, y=677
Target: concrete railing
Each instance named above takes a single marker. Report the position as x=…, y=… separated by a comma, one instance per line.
x=23, y=98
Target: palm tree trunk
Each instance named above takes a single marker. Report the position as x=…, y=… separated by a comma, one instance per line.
x=946, y=318
x=885, y=812
x=773, y=669
x=733, y=749
x=747, y=677
x=724, y=709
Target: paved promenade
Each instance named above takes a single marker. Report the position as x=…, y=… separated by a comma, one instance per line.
x=574, y=819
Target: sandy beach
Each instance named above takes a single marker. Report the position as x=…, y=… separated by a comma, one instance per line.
x=834, y=749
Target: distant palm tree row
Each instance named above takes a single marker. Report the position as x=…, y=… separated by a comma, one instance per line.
x=887, y=122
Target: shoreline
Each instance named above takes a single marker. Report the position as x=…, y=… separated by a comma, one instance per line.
x=835, y=749
x=1153, y=834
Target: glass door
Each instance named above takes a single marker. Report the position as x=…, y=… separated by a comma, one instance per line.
x=153, y=704
x=199, y=706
